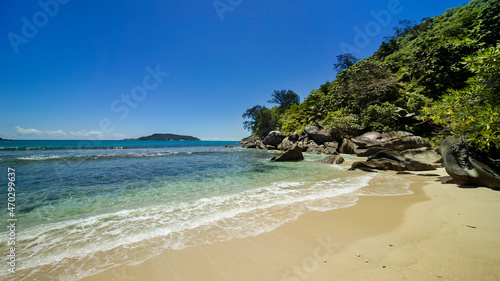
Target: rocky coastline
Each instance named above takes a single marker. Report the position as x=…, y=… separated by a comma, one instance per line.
x=395, y=150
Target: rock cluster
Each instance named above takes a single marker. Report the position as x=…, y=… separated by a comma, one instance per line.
x=396, y=150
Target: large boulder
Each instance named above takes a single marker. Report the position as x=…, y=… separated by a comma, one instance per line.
x=424, y=155
x=348, y=147
x=318, y=134
x=314, y=148
x=254, y=143
x=334, y=159
x=294, y=153
x=406, y=163
x=373, y=142
x=288, y=141
x=392, y=160
x=274, y=138
x=468, y=166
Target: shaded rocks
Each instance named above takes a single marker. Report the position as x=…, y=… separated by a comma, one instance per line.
x=373, y=142
x=254, y=143
x=391, y=160
x=348, y=147
x=294, y=153
x=467, y=166
x=334, y=159
x=274, y=138
x=318, y=134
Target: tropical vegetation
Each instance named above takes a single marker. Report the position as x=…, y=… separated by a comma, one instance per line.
x=435, y=78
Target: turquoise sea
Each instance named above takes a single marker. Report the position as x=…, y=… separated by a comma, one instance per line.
x=83, y=207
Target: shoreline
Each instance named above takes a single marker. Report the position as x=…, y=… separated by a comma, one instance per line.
x=439, y=231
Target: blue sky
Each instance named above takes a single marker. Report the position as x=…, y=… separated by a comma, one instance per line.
x=116, y=69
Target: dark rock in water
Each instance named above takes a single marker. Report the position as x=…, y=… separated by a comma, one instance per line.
x=274, y=138
x=334, y=159
x=348, y=147
x=294, y=153
x=228, y=146
x=318, y=134
x=468, y=166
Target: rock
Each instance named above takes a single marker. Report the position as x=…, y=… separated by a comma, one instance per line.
x=228, y=146
x=424, y=155
x=363, y=166
x=294, y=153
x=332, y=144
x=368, y=151
x=318, y=134
x=293, y=137
x=330, y=150
x=348, y=147
x=285, y=144
x=334, y=159
x=391, y=160
x=254, y=143
x=314, y=148
x=270, y=147
x=274, y=138
x=468, y=166
x=373, y=142
x=405, y=163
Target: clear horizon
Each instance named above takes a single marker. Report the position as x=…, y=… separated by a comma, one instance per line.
x=125, y=69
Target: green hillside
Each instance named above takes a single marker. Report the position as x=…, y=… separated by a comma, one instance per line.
x=433, y=78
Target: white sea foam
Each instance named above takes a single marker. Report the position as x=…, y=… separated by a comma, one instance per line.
x=90, y=245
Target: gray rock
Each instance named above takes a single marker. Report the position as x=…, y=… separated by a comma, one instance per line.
x=318, y=134
x=405, y=163
x=348, y=147
x=330, y=150
x=334, y=159
x=293, y=137
x=314, y=148
x=294, y=153
x=254, y=143
x=274, y=138
x=467, y=166
x=372, y=142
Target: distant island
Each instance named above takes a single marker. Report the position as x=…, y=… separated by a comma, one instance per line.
x=4, y=139
x=167, y=137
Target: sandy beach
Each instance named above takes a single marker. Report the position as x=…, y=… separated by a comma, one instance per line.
x=440, y=232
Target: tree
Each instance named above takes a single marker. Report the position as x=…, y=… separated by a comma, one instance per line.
x=475, y=110
x=285, y=99
x=261, y=122
x=345, y=61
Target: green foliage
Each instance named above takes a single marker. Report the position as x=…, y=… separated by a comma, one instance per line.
x=419, y=71
x=342, y=124
x=383, y=117
x=284, y=98
x=290, y=122
x=475, y=110
x=345, y=61
x=262, y=120
x=488, y=32
x=365, y=83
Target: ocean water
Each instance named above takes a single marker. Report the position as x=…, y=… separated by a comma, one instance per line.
x=84, y=207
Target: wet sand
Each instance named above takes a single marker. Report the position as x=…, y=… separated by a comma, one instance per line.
x=440, y=232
